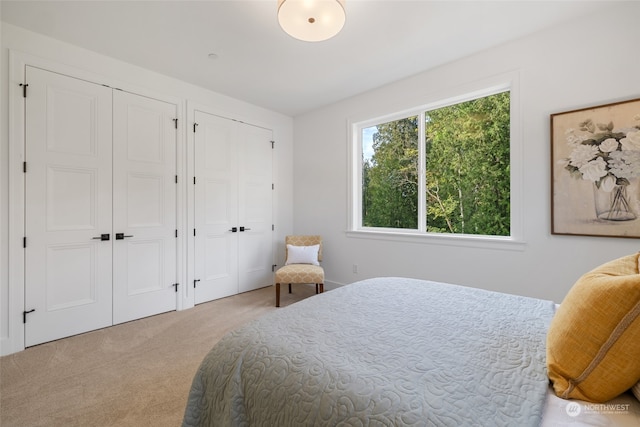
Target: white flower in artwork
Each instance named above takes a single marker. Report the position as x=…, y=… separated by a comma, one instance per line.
x=624, y=164
x=594, y=170
x=609, y=145
x=582, y=154
x=632, y=141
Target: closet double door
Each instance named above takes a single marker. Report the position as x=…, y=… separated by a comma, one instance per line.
x=233, y=249
x=100, y=206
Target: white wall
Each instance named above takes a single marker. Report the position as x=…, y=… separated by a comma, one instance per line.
x=127, y=76
x=587, y=62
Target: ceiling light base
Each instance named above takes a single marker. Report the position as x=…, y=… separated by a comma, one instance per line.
x=311, y=20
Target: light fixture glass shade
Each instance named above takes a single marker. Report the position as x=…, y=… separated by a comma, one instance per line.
x=311, y=20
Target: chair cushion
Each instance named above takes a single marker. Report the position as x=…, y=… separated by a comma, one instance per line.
x=300, y=273
x=593, y=344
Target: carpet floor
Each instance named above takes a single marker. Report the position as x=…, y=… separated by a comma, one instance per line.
x=134, y=374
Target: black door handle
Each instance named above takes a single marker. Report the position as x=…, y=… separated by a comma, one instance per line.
x=234, y=229
x=122, y=236
x=244, y=229
x=102, y=237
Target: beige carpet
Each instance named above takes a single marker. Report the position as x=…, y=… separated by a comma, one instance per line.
x=134, y=374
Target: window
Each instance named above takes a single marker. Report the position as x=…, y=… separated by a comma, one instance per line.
x=442, y=169
x=390, y=174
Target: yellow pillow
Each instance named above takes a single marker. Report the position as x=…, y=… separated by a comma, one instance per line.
x=593, y=344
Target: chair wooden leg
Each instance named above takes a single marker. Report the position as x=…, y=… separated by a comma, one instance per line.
x=316, y=288
x=289, y=287
x=277, y=294
x=321, y=287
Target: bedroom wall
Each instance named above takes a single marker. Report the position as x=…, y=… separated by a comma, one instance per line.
x=575, y=65
x=18, y=39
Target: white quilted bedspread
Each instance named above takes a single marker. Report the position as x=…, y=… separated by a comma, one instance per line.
x=381, y=352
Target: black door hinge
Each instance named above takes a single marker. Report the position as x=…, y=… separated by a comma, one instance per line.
x=176, y=286
x=24, y=89
x=24, y=315
x=176, y=233
x=194, y=232
x=24, y=167
x=24, y=242
x=273, y=144
x=175, y=121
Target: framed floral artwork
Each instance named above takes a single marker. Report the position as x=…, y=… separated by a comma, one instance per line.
x=595, y=171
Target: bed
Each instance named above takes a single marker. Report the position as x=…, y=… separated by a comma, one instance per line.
x=383, y=352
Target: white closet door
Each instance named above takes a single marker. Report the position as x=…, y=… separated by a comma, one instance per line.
x=255, y=207
x=216, y=207
x=144, y=207
x=67, y=207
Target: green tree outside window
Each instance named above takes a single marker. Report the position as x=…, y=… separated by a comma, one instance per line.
x=467, y=170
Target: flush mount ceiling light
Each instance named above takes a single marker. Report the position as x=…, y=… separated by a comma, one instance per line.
x=311, y=20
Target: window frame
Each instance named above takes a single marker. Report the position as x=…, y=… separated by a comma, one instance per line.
x=515, y=240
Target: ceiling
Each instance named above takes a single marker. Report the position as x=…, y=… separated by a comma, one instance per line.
x=381, y=42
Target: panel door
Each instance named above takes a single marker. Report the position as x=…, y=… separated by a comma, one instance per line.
x=255, y=207
x=67, y=206
x=144, y=207
x=216, y=207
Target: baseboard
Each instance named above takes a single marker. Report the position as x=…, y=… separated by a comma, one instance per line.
x=328, y=285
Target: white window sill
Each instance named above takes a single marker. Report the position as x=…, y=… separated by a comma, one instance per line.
x=460, y=240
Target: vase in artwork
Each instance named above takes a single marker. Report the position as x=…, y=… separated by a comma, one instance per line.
x=613, y=205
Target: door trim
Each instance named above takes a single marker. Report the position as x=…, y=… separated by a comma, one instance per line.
x=15, y=328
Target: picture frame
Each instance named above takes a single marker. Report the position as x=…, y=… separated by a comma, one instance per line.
x=595, y=170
